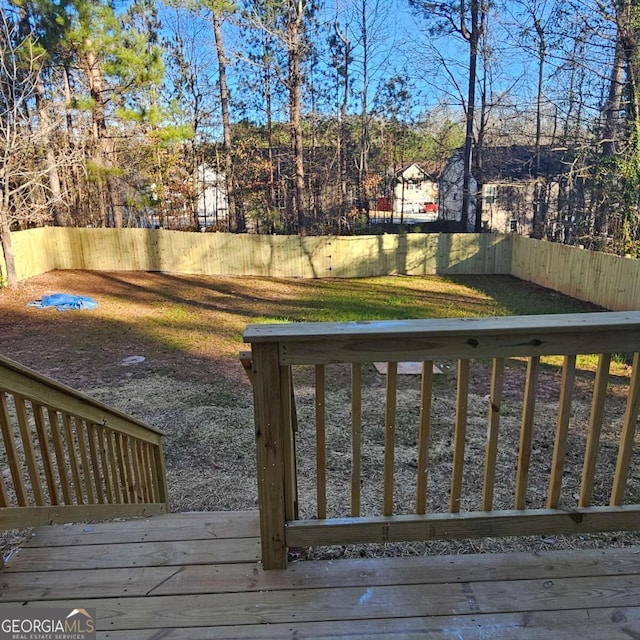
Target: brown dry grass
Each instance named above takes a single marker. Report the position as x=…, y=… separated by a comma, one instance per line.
x=192, y=387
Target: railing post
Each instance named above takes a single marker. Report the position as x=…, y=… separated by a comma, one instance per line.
x=269, y=425
x=161, y=474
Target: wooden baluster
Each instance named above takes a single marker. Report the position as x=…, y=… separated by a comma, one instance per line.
x=160, y=474
x=4, y=499
x=491, y=448
x=269, y=425
x=462, y=403
x=562, y=430
x=148, y=468
x=390, y=436
x=126, y=459
x=289, y=445
x=12, y=452
x=595, y=428
x=73, y=460
x=29, y=451
x=321, y=446
x=104, y=463
x=424, y=432
x=526, y=431
x=137, y=475
x=144, y=472
x=627, y=436
x=138, y=471
x=356, y=437
x=112, y=447
x=84, y=460
x=58, y=447
x=122, y=469
x=45, y=453
x=126, y=450
x=95, y=463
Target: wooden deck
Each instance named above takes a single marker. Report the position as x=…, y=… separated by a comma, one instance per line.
x=195, y=576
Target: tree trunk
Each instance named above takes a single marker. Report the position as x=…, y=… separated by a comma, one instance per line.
x=57, y=209
x=613, y=105
x=269, y=116
x=5, y=238
x=295, y=109
x=538, y=221
x=364, y=115
x=467, y=154
x=341, y=142
x=235, y=221
x=104, y=148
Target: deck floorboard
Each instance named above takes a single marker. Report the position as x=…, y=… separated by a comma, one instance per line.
x=196, y=576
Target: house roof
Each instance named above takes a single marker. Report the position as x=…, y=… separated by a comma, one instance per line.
x=431, y=169
x=518, y=162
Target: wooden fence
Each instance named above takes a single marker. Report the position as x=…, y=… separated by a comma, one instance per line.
x=221, y=254
x=613, y=282
x=610, y=281
x=279, y=349
x=70, y=458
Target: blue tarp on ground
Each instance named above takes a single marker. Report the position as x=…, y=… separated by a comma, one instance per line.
x=64, y=302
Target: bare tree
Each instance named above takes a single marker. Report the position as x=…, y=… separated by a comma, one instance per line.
x=468, y=21
x=24, y=193
x=217, y=8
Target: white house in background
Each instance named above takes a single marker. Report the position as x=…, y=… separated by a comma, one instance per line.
x=213, y=205
x=510, y=189
x=415, y=194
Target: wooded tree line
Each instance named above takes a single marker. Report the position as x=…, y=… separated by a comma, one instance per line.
x=108, y=110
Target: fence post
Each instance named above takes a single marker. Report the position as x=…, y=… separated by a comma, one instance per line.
x=269, y=425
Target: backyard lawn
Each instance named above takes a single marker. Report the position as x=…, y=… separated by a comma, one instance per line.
x=188, y=382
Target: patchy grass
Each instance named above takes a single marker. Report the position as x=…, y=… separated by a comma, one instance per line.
x=192, y=387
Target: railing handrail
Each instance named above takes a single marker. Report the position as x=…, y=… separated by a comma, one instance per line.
x=374, y=329
x=71, y=457
x=276, y=347
x=51, y=393
x=402, y=340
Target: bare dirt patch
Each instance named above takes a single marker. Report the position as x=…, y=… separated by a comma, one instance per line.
x=191, y=386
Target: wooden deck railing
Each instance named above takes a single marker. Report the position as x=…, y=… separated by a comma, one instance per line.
x=276, y=349
x=69, y=458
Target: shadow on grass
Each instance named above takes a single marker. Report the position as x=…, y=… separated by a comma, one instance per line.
x=519, y=297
